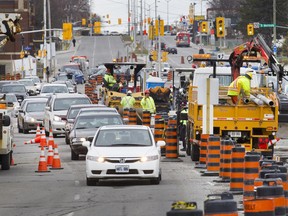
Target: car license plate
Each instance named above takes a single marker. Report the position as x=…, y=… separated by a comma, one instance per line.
x=122, y=169
x=234, y=133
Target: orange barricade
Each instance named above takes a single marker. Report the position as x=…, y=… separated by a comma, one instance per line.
x=213, y=154
x=237, y=168
x=171, y=142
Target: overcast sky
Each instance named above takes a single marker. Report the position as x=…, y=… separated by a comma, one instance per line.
x=119, y=9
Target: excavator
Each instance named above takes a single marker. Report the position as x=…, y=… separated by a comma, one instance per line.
x=251, y=49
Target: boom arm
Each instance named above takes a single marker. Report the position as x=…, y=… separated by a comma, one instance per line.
x=256, y=45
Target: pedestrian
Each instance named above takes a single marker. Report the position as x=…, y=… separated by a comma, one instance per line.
x=47, y=74
x=182, y=127
x=241, y=87
x=74, y=42
x=128, y=100
x=147, y=102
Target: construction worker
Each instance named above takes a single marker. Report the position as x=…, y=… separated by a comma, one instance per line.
x=182, y=127
x=241, y=87
x=110, y=82
x=128, y=101
x=147, y=102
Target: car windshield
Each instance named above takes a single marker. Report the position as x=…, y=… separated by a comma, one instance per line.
x=67, y=67
x=65, y=103
x=90, y=121
x=123, y=137
x=27, y=82
x=36, y=107
x=54, y=89
x=62, y=77
x=73, y=113
x=18, y=88
x=11, y=98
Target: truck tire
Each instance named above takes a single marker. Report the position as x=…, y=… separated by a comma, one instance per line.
x=74, y=156
x=5, y=161
x=195, y=152
x=6, y=121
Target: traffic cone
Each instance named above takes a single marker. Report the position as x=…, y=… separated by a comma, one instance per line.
x=33, y=141
x=56, y=164
x=50, y=155
x=42, y=167
x=38, y=131
x=273, y=142
x=51, y=139
x=43, y=142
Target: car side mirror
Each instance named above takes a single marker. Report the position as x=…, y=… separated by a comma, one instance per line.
x=161, y=143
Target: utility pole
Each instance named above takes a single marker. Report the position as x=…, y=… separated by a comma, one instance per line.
x=50, y=38
x=45, y=42
x=274, y=22
x=129, y=17
x=159, y=49
x=141, y=24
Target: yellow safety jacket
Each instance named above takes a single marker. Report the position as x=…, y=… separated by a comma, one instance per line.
x=148, y=104
x=127, y=102
x=239, y=85
x=110, y=80
x=184, y=122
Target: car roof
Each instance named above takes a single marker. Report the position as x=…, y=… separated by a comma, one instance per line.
x=39, y=100
x=14, y=84
x=112, y=127
x=86, y=106
x=54, y=84
x=69, y=95
x=100, y=114
x=103, y=108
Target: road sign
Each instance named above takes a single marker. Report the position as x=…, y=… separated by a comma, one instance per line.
x=266, y=25
x=275, y=49
x=256, y=24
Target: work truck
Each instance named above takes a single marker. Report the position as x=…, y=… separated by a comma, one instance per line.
x=251, y=123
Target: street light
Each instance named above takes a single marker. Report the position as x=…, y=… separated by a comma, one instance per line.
x=168, y=11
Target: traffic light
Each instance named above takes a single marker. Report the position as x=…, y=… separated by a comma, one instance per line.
x=220, y=27
x=154, y=55
x=83, y=22
x=119, y=21
x=149, y=20
x=250, y=29
x=204, y=26
x=162, y=27
x=157, y=27
x=151, y=32
x=67, y=31
x=164, y=56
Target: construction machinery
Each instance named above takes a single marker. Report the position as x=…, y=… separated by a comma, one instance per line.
x=251, y=123
x=258, y=48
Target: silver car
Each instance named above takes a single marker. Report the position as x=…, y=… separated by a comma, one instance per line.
x=85, y=127
x=31, y=114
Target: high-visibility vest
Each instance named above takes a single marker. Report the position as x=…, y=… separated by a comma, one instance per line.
x=127, y=102
x=148, y=104
x=184, y=122
x=110, y=80
x=239, y=85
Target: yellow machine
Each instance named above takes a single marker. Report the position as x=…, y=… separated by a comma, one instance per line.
x=252, y=124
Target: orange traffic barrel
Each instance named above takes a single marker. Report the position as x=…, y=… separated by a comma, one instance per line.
x=171, y=142
x=213, y=154
x=126, y=113
x=132, y=117
x=274, y=192
x=172, y=122
x=159, y=131
x=237, y=168
x=259, y=207
x=99, y=79
x=169, y=75
x=283, y=177
x=203, y=150
x=251, y=170
x=223, y=206
x=225, y=159
x=146, y=118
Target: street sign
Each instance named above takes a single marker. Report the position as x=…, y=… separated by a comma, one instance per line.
x=275, y=50
x=27, y=48
x=266, y=25
x=256, y=24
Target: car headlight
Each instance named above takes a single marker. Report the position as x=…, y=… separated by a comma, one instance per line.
x=56, y=118
x=149, y=158
x=95, y=158
x=78, y=139
x=30, y=119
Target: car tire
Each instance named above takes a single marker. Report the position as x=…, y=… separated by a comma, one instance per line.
x=5, y=162
x=67, y=140
x=91, y=181
x=20, y=130
x=74, y=156
x=156, y=181
x=25, y=131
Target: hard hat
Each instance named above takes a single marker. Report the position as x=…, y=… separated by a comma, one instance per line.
x=129, y=92
x=249, y=74
x=147, y=91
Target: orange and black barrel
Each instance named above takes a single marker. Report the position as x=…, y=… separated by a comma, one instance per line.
x=213, y=153
x=146, y=118
x=99, y=79
x=259, y=207
x=225, y=159
x=126, y=114
x=182, y=208
x=283, y=177
x=132, y=117
x=220, y=205
x=237, y=168
x=251, y=171
x=171, y=142
x=274, y=192
x=159, y=131
x=203, y=148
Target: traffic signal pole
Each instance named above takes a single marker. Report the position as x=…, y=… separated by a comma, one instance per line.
x=45, y=42
x=159, y=48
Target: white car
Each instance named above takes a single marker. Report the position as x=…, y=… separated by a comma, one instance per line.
x=123, y=151
x=53, y=88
